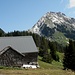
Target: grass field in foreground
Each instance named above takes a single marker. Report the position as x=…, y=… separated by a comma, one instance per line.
x=36, y=72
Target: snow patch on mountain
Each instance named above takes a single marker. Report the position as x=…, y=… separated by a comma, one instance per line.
x=52, y=22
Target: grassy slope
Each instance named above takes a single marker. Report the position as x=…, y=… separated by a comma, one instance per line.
x=60, y=38
x=54, y=65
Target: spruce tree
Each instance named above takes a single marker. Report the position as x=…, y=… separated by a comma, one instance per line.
x=69, y=56
x=53, y=52
x=47, y=58
x=46, y=54
x=66, y=59
x=1, y=32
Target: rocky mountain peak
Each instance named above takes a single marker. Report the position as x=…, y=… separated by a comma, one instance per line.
x=53, y=22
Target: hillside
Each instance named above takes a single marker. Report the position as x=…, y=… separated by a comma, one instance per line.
x=54, y=64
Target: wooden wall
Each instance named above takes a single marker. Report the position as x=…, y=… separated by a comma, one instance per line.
x=31, y=57
x=14, y=59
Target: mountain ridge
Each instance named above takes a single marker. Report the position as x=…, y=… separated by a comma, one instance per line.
x=53, y=22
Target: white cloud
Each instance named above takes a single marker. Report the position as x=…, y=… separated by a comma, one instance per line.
x=71, y=3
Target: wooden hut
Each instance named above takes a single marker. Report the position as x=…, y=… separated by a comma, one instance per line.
x=16, y=51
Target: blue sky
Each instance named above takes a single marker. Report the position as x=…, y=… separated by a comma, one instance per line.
x=23, y=14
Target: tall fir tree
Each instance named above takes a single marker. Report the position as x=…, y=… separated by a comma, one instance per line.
x=69, y=56
x=1, y=32
x=46, y=56
x=53, y=52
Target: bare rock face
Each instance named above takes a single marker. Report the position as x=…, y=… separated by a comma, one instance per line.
x=53, y=22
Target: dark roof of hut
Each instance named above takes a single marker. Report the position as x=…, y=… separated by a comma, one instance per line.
x=23, y=44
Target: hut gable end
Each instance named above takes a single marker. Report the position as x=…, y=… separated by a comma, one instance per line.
x=11, y=57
